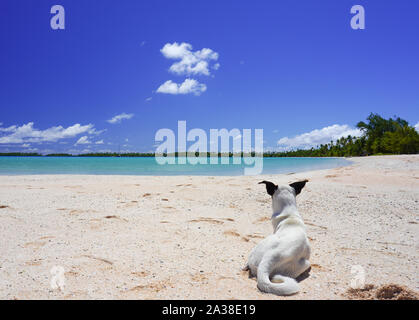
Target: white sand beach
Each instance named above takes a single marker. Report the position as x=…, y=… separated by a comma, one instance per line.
x=187, y=237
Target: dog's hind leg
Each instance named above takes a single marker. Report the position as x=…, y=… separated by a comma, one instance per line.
x=293, y=270
x=301, y=266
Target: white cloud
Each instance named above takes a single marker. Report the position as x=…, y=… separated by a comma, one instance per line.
x=417, y=127
x=188, y=86
x=118, y=118
x=148, y=99
x=196, y=63
x=100, y=142
x=318, y=136
x=8, y=129
x=83, y=140
x=96, y=132
x=27, y=133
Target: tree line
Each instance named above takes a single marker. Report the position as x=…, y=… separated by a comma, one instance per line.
x=379, y=136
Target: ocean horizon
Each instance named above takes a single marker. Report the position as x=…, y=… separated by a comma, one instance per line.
x=16, y=165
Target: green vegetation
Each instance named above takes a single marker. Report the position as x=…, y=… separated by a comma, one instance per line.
x=380, y=136
x=20, y=154
x=114, y=154
x=59, y=155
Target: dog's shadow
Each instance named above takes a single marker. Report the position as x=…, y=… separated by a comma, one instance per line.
x=304, y=275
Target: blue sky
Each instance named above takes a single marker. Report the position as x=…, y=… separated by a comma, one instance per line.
x=288, y=67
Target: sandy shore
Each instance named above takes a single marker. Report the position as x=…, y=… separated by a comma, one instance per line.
x=134, y=237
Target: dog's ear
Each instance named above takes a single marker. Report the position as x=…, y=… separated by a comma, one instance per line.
x=298, y=186
x=270, y=187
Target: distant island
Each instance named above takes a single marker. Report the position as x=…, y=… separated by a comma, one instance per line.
x=380, y=137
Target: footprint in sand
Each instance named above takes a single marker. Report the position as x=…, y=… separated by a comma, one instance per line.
x=130, y=204
x=252, y=236
x=236, y=234
x=98, y=258
x=46, y=237
x=153, y=286
x=255, y=235
x=316, y=266
x=263, y=200
x=263, y=219
x=140, y=273
x=75, y=211
x=33, y=263
x=331, y=176
x=168, y=207
x=95, y=224
x=35, y=244
x=115, y=217
x=209, y=220
x=71, y=273
x=199, y=277
x=231, y=233
x=315, y=225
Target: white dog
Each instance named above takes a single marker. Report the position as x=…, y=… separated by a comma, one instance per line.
x=281, y=257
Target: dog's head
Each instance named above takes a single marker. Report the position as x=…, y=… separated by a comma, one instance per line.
x=295, y=187
x=283, y=195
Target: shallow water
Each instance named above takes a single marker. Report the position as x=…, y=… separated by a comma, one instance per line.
x=149, y=166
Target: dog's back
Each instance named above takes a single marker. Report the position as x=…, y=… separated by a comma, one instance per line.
x=283, y=256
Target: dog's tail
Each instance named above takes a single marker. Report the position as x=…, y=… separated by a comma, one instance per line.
x=280, y=285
